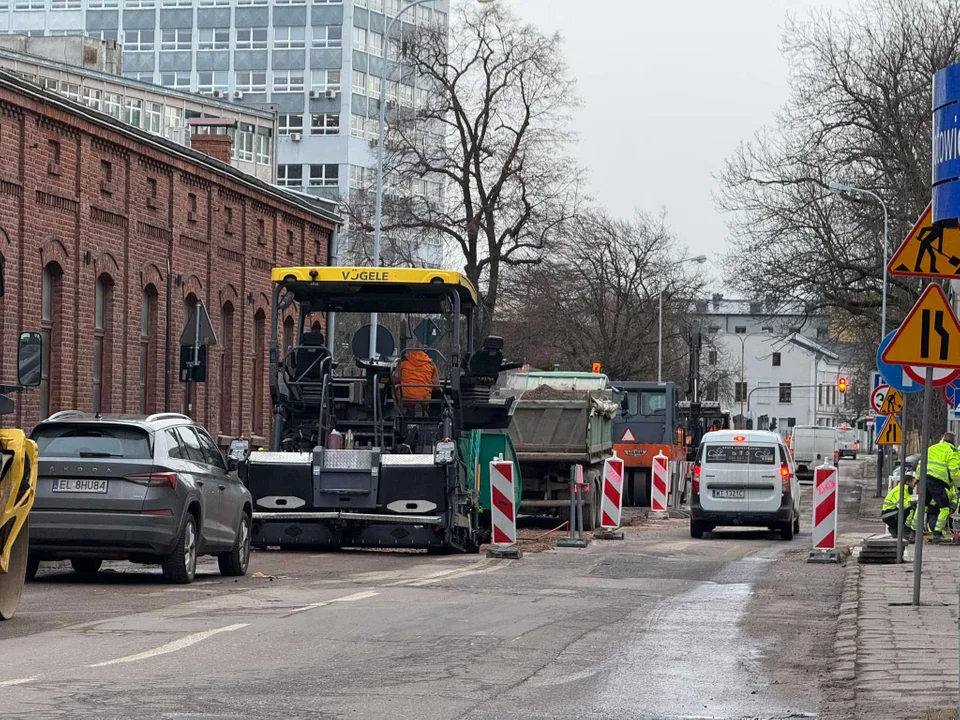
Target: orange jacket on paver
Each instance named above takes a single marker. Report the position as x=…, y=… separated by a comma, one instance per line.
x=418, y=377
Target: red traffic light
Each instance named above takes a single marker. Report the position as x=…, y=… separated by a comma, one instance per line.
x=842, y=384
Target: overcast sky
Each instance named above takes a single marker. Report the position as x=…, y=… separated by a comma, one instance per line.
x=669, y=90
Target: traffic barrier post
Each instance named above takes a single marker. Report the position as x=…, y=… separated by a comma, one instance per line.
x=825, y=494
x=575, y=537
x=503, y=511
x=659, y=487
x=611, y=500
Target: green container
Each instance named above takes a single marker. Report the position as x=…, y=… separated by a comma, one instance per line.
x=478, y=449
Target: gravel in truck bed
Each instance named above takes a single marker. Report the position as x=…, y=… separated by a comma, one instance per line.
x=545, y=392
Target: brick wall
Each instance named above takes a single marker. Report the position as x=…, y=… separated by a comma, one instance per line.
x=97, y=205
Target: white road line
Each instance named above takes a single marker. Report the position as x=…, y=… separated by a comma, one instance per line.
x=465, y=573
x=170, y=647
x=18, y=681
x=346, y=598
x=441, y=573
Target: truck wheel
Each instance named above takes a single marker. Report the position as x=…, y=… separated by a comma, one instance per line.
x=591, y=510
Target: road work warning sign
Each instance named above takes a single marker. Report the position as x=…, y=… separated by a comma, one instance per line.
x=928, y=251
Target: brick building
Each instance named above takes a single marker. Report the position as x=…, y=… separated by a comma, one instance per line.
x=110, y=234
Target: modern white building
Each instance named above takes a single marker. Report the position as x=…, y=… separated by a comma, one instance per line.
x=774, y=371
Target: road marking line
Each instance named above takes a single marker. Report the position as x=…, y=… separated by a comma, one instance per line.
x=465, y=573
x=440, y=573
x=170, y=647
x=346, y=598
x=18, y=681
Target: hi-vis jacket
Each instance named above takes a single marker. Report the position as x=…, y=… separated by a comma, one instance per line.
x=892, y=500
x=943, y=463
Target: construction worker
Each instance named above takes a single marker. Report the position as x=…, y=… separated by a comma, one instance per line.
x=417, y=379
x=891, y=504
x=943, y=469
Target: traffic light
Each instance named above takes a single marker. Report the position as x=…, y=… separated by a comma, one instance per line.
x=842, y=384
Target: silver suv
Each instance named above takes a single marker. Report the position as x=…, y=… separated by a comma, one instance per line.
x=150, y=489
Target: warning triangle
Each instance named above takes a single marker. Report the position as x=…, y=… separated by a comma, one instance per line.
x=628, y=436
x=889, y=434
x=928, y=251
x=929, y=336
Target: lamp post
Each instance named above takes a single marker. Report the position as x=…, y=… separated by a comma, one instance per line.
x=699, y=259
x=743, y=351
x=850, y=189
x=381, y=129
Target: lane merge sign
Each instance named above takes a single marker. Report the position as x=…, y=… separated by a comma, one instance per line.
x=930, y=334
x=889, y=432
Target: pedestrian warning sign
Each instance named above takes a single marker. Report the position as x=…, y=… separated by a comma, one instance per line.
x=928, y=251
x=929, y=336
x=628, y=436
x=889, y=433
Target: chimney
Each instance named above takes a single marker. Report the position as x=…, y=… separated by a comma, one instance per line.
x=209, y=136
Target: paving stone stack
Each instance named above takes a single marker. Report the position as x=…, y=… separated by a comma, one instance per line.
x=878, y=549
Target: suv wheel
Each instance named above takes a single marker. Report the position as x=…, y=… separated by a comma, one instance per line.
x=86, y=566
x=180, y=566
x=236, y=561
x=786, y=530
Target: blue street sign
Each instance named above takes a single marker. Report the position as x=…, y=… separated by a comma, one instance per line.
x=878, y=425
x=946, y=144
x=951, y=393
x=877, y=379
x=893, y=375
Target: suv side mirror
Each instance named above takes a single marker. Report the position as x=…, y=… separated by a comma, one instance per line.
x=232, y=463
x=29, y=359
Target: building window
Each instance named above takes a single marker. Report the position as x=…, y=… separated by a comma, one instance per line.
x=711, y=391
x=133, y=112
x=226, y=370
x=145, y=76
x=102, y=343
x=325, y=124
x=290, y=175
x=259, y=337
x=325, y=80
x=50, y=328
x=324, y=175
x=243, y=142
x=775, y=358
x=375, y=43
x=786, y=392
x=92, y=98
x=101, y=34
x=356, y=176
x=172, y=119
x=262, y=146
x=214, y=3
x=209, y=81
x=30, y=5
x=288, y=38
x=288, y=81
x=176, y=80
x=154, y=118
x=53, y=168
x=65, y=4
x=252, y=81
x=357, y=124
x=176, y=3
x=213, y=38
x=70, y=91
x=113, y=104
x=251, y=38
x=372, y=126
x=376, y=5
x=148, y=350
x=393, y=7
x=138, y=4
x=740, y=392
x=261, y=231
x=767, y=329
x=176, y=38
x=227, y=220
x=393, y=89
x=406, y=95
x=251, y=2
x=288, y=123
x=327, y=36
x=359, y=82
x=290, y=247
x=138, y=40
x=373, y=86
x=740, y=330
x=152, y=188
x=360, y=39
x=712, y=357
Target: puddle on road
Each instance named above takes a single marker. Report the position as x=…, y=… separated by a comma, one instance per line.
x=690, y=658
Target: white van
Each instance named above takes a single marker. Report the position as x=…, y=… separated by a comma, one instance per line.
x=812, y=446
x=744, y=477
x=849, y=440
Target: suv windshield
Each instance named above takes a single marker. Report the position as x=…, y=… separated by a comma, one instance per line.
x=100, y=441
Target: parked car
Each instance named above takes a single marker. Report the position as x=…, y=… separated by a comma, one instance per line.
x=149, y=489
x=745, y=478
x=849, y=441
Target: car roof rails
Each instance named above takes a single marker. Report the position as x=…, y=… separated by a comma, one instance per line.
x=167, y=416
x=66, y=413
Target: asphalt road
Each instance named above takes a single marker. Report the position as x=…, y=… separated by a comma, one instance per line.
x=658, y=626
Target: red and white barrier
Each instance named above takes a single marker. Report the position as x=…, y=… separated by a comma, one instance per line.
x=503, y=500
x=825, y=508
x=612, y=494
x=659, y=485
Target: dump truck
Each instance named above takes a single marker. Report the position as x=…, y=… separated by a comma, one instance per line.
x=560, y=419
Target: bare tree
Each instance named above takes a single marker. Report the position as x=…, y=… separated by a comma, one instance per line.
x=859, y=113
x=595, y=299
x=481, y=165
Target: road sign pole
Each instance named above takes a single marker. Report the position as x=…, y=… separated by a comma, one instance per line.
x=922, y=499
x=903, y=475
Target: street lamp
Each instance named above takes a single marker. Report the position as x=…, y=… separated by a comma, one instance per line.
x=851, y=190
x=381, y=129
x=742, y=383
x=699, y=259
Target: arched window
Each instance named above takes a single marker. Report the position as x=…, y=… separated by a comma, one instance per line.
x=226, y=369
x=189, y=305
x=148, y=350
x=259, y=335
x=102, y=344
x=51, y=324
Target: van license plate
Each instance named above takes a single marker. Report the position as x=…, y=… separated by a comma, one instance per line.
x=80, y=485
x=731, y=494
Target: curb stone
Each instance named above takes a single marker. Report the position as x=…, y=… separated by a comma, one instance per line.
x=839, y=696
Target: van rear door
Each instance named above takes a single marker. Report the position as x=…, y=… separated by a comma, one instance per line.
x=740, y=476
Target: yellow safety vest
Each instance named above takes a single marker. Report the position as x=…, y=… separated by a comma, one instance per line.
x=892, y=500
x=943, y=462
